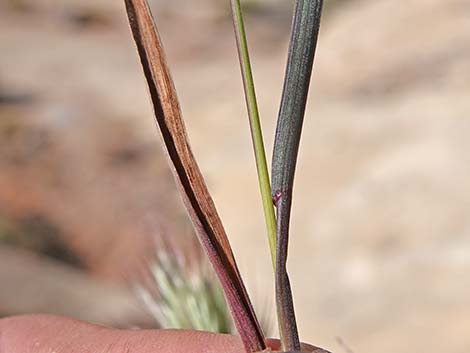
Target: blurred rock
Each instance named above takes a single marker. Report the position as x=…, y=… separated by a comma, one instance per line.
x=32, y=284
x=37, y=235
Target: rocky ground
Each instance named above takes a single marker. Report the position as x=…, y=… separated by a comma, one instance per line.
x=381, y=232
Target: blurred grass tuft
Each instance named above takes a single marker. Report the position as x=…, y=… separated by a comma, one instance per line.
x=185, y=298
x=185, y=294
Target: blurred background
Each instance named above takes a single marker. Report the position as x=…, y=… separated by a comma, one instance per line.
x=380, y=244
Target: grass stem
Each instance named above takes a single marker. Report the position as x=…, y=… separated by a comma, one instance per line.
x=255, y=126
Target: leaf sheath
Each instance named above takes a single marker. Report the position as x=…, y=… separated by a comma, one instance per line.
x=193, y=189
x=302, y=47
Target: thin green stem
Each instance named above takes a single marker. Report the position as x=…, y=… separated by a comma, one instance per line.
x=255, y=126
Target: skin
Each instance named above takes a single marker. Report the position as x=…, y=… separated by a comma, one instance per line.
x=52, y=334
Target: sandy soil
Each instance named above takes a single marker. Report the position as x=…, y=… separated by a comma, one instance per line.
x=381, y=232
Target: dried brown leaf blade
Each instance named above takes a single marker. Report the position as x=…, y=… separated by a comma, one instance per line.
x=193, y=189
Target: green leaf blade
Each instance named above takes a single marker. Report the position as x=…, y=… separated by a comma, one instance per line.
x=301, y=55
